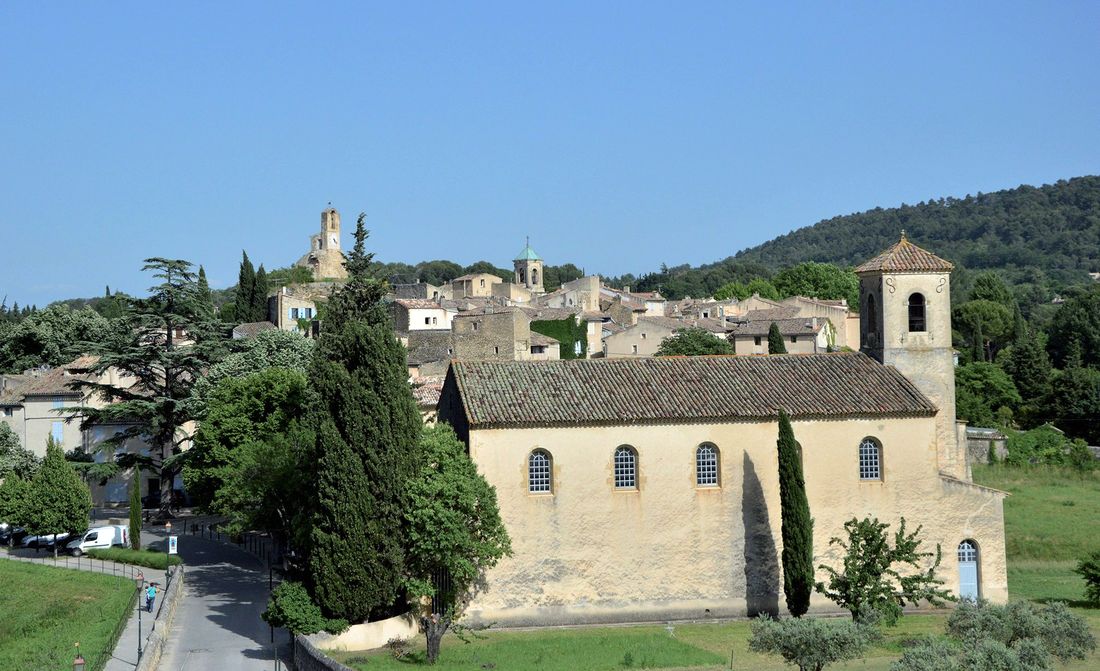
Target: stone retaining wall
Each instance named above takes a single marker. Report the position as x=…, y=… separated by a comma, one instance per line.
x=308, y=657
x=162, y=624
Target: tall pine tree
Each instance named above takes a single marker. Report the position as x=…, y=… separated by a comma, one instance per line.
x=165, y=342
x=798, y=526
x=246, y=290
x=775, y=340
x=259, y=296
x=203, y=295
x=367, y=429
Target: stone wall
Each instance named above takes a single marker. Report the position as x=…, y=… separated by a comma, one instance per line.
x=308, y=657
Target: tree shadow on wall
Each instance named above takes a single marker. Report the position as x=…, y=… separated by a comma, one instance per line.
x=761, y=558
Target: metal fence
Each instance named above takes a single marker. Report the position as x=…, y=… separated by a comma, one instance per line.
x=127, y=577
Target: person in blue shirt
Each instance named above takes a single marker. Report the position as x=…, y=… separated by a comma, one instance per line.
x=150, y=596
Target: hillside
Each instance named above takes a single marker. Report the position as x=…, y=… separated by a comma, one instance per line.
x=1053, y=228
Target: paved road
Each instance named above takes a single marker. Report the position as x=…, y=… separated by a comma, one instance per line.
x=217, y=624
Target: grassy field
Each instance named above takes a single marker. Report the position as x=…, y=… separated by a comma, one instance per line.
x=1051, y=519
x=45, y=610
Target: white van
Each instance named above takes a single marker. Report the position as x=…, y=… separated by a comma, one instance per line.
x=100, y=537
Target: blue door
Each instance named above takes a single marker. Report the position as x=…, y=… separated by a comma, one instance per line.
x=968, y=570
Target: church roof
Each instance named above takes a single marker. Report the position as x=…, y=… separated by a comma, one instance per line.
x=905, y=257
x=677, y=389
x=527, y=254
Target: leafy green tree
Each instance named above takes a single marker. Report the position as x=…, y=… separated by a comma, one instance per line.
x=268, y=349
x=1046, y=445
x=730, y=290
x=15, y=495
x=555, y=276
x=984, y=392
x=109, y=306
x=1074, y=402
x=438, y=272
x=987, y=324
x=147, y=350
x=291, y=608
x=453, y=528
x=763, y=288
x=775, y=340
x=1078, y=320
x=251, y=451
x=989, y=286
x=797, y=525
x=811, y=644
x=486, y=267
x=1017, y=636
x=870, y=584
x=246, y=290
x=693, y=341
x=135, y=510
x=50, y=337
x=1029, y=366
x=367, y=428
x=818, y=280
x=59, y=500
x=14, y=458
x=1089, y=570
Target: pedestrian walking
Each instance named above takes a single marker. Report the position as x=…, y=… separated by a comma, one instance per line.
x=150, y=596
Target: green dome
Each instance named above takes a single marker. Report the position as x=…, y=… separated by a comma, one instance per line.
x=527, y=254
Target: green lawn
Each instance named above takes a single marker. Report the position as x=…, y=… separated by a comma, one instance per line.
x=1052, y=518
x=44, y=611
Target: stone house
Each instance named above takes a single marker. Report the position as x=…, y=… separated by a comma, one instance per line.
x=296, y=305
x=580, y=294
x=647, y=489
x=421, y=290
x=41, y=403
x=802, y=335
x=500, y=334
x=474, y=285
x=644, y=338
x=419, y=314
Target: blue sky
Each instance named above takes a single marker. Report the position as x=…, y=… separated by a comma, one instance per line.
x=618, y=135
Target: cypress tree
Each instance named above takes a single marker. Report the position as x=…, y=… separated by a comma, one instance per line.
x=367, y=429
x=259, y=296
x=798, y=526
x=135, y=510
x=202, y=293
x=775, y=340
x=246, y=289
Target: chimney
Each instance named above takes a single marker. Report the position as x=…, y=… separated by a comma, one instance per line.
x=815, y=323
x=626, y=289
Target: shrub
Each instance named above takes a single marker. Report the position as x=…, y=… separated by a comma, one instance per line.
x=292, y=608
x=1047, y=445
x=1019, y=635
x=1089, y=569
x=811, y=644
x=149, y=558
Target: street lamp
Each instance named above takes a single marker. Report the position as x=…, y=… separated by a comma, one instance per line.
x=141, y=589
x=78, y=663
x=167, y=547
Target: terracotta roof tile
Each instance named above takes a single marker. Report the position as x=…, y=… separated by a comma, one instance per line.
x=905, y=257
x=675, y=389
x=787, y=327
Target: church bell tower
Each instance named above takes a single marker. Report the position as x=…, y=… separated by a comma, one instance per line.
x=905, y=322
x=528, y=269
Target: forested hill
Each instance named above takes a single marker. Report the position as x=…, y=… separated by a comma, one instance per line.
x=1054, y=229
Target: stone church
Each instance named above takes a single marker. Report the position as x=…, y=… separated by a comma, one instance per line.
x=647, y=489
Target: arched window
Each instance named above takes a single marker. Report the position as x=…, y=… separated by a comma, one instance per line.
x=626, y=467
x=535, y=276
x=916, y=313
x=968, y=570
x=522, y=277
x=872, y=322
x=706, y=465
x=870, y=459
x=539, y=473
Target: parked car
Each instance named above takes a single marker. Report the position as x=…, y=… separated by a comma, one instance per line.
x=99, y=537
x=45, y=540
x=11, y=535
